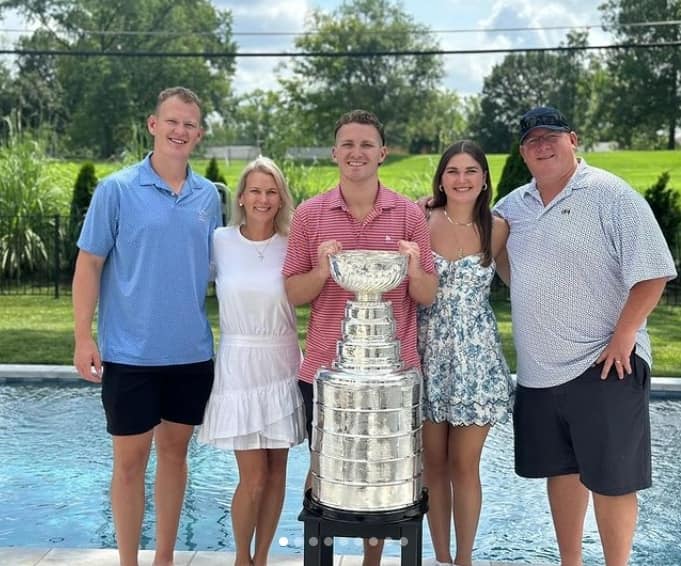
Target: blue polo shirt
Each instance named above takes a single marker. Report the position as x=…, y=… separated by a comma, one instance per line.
x=157, y=247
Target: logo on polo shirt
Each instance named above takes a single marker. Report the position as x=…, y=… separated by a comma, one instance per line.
x=203, y=215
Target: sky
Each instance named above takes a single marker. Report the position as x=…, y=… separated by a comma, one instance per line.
x=463, y=73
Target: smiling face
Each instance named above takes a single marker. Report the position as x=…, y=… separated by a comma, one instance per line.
x=549, y=155
x=358, y=151
x=261, y=198
x=462, y=179
x=176, y=128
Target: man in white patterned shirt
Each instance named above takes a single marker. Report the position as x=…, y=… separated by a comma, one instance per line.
x=588, y=264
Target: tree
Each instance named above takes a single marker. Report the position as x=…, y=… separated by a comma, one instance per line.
x=39, y=97
x=104, y=95
x=213, y=172
x=265, y=118
x=522, y=81
x=645, y=94
x=443, y=122
x=394, y=87
x=85, y=184
x=666, y=205
x=514, y=174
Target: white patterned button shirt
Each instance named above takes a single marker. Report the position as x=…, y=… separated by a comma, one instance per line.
x=573, y=263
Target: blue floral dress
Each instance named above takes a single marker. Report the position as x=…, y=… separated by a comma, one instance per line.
x=466, y=379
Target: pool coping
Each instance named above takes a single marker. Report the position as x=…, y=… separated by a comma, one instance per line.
x=17, y=556
x=660, y=387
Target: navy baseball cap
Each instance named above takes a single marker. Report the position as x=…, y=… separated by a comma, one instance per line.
x=543, y=117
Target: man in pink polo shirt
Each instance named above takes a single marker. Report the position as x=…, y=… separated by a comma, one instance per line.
x=359, y=213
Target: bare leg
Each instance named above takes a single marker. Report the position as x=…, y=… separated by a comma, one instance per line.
x=465, y=448
x=372, y=552
x=130, y=454
x=568, y=499
x=171, y=441
x=616, y=518
x=436, y=479
x=247, y=500
x=270, y=505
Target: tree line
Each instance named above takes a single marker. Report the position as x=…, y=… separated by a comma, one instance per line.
x=90, y=106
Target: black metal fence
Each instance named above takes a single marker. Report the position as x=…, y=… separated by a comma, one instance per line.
x=37, y=254
x=37, y=257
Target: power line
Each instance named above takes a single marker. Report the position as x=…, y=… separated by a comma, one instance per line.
x=420, y=31
x=329, y=54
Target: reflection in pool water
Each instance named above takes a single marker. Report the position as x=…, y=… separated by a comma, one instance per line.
x=55, y=472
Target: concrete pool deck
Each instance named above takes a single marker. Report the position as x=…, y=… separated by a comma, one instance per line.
x=109, y=557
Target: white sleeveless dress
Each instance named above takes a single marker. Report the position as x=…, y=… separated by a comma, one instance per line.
x=255, y=401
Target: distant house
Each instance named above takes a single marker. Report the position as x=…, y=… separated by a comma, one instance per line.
x=602, y=146
x=308, y=153
x=233, y=152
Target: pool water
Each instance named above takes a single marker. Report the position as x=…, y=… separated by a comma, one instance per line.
x=55, y=466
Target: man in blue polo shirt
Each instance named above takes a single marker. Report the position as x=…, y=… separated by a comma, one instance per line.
x=588, y=265
x=144, y=257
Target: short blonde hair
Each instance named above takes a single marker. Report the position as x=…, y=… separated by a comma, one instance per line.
x=265, y=165
x=184, y=94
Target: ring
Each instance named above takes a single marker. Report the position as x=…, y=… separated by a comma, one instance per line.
x=617, y=362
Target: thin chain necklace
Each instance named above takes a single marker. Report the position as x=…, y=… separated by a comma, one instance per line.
x=454, y=222
x=261, y=251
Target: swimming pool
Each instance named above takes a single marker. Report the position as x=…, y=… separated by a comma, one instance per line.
x=55, y=469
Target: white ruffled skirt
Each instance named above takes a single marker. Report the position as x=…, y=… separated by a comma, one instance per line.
x=255, y=402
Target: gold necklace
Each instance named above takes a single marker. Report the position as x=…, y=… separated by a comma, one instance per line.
x=454, y=222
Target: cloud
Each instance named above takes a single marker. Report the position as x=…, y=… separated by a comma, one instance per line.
x=465, y=73
x=263, y=16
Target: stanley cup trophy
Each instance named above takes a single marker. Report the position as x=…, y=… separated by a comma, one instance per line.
x=366, y=456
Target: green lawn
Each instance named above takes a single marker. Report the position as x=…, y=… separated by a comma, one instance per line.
x=38, y=330
x=411, y=174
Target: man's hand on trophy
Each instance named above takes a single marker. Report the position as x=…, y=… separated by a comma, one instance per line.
x=326, y=249
x=412, y=251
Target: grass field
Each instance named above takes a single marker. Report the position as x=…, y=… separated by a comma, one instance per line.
x=411, y=175
x=39, y=330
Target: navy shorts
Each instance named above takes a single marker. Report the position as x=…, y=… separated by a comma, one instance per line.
x=599, y=429
x=137, y=398
x=307, y=391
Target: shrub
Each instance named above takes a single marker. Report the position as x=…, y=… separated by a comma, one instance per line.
x=667, y=209
x=85, y=184
x=213, y=172
x=28, y=196
x=514, y=174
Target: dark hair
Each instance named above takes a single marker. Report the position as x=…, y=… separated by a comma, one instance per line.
x=360, y=117
x=184, y=94
x=482, y=216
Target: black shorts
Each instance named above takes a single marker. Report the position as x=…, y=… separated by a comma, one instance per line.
x=307, y=391
x=599, y=429
x=137, y=398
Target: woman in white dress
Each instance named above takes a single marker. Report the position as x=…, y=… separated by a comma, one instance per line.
x=255, y=407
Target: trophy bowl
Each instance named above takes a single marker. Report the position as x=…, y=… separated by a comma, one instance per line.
x=368, y=273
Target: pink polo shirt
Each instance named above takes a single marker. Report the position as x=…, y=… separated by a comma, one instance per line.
x=326, y=217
